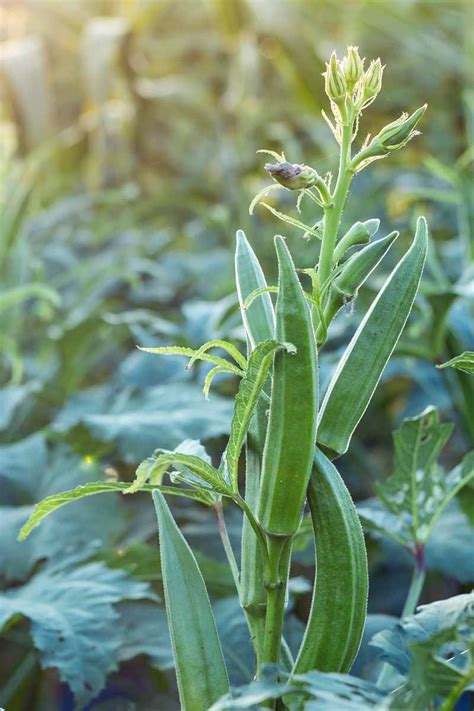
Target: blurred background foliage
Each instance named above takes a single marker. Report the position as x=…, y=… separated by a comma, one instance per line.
x=129, y=132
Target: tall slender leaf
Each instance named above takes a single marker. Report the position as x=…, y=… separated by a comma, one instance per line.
x=200, y=668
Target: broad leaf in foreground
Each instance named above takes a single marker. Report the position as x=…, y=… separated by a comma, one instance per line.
x=74, y=622
x=200, y=669
x=435, y=649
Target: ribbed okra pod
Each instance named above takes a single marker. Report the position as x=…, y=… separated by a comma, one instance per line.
x=359, y=370
x=339, y=604
x=289, y=445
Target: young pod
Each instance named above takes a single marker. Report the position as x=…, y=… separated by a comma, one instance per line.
x=355, y=271
x=289, y=444
x=339, y=605
x=359, y=233
x=359, y=370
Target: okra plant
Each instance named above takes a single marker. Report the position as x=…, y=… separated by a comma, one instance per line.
x=287, y=434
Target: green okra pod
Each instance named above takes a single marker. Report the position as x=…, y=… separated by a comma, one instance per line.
x=359, y=370
x=339, y=604
x=289, y=444
x=359, y=233
x=355, y=271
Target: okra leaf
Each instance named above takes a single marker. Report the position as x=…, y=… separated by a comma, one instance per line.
x=194, y=354
x=152, y=471
x=464, y=362
x=419, y=490
x=259, y=318
x=56, y=501
x=75, y=623
x=360, y=368
x=194, y=471
x=251, y=387
x=434, y=648
x=314, y=691
x=200, y=669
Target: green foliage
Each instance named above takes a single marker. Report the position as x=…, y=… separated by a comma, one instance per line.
x=91, y=274
x=418, y=491
x=434, y=649
x=200, y=669
x=359, y=370
x=75, y=623
x=464, y=362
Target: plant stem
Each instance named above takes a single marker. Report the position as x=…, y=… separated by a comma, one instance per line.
x=414, y=591
x=463, y=683
x=333, y=212
x=224, y=534
x=413, y=595
x=255, y=618
x=276, y=580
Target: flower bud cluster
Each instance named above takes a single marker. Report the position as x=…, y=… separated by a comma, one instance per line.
x=346, y=82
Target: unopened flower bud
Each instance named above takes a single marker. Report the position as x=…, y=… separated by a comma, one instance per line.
x=292, y=175
x=398, y=133
x=353, y=67
x=336, y=85
x=373, y=79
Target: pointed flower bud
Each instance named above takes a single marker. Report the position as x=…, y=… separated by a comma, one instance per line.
x=399, y=132
x=353, y=67
x=373, y=79
x=293, y=176
x=395, y=135
x=336, y=85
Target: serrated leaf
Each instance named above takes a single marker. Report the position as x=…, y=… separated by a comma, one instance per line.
x=151, y=471
x=194, y=354
x=464, y=362
x=56, y=501
x=199, y=663
x=223, y=345
x=314, y=690
x=251, y=386
x=74, y=621
x=195, y=471
x=433, y=648
x=418, y=491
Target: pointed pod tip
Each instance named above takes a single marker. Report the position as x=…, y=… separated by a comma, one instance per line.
x=372, y=226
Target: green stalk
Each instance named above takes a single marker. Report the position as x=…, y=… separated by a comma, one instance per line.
x=224, y=534
x=449, y=703
x=276, y=580
x=333, y=212
x=254, y=616
x=411, y=602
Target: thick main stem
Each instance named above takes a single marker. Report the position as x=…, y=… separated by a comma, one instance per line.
x=279, y=553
